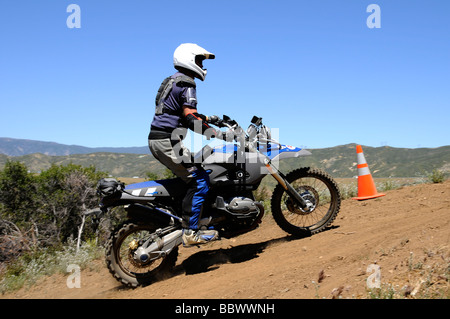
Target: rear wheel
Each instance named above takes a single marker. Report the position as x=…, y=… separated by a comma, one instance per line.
x=120, y=249
x=319, y=189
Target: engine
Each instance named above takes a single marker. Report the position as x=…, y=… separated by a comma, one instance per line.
x=242, y=205
x=240, y=208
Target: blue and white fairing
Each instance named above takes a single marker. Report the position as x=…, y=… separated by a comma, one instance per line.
x=220, y=156
x=277, y=151
x=271, y=150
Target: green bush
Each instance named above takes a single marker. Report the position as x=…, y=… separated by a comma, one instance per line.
x=43, y=210
x=17, y=192
x=436, y=176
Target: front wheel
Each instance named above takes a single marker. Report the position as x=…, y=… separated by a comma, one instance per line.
x=314, y=186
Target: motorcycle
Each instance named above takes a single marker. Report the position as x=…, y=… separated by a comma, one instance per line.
x=303, y=203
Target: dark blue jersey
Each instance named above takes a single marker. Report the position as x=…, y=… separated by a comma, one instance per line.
x=172, y=117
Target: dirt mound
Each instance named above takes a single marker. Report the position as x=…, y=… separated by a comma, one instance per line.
x=404, y=237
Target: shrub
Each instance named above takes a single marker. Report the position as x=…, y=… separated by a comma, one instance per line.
x=43, y=210
x=436, y=176
x=31, y=266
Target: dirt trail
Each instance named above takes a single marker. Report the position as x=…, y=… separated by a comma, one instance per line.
x=406, y=233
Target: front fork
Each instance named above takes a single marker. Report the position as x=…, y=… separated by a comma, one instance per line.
x=305, y=204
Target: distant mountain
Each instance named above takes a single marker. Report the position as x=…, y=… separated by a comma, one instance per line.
x=385, y=161
x=19, y=147
x=116, y=164
x=339, y=161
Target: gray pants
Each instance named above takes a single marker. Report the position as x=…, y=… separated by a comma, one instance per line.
x=177, y=158
x=174, y=156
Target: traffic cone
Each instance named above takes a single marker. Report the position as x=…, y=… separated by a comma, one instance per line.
x=366, y=185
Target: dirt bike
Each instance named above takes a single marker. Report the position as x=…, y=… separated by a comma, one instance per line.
x=303, y=203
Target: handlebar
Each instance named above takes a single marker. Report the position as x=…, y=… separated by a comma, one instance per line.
x=247, y=139
x=226, y=121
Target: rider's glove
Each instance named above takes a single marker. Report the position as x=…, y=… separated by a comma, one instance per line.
x=214, y=119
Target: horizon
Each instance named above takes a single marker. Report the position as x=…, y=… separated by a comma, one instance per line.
x=145, y=146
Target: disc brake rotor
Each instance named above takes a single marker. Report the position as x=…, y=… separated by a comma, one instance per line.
x=307, y=193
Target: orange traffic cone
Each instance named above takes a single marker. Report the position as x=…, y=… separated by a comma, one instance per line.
x=366, y=185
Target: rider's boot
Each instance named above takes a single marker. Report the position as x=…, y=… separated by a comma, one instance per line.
x=196, y=237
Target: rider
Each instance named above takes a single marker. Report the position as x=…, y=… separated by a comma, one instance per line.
x=176, y=106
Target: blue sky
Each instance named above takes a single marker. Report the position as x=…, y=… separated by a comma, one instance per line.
x=312, y=69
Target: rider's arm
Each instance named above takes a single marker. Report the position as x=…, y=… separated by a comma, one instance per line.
x=191, y=116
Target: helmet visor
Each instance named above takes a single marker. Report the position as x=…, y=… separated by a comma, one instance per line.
x=200, y=58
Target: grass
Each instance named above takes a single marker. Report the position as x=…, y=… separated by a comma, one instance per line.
x=27, y=269
x=349, y=186
x=427, y=276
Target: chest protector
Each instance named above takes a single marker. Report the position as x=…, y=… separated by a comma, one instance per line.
x=166, y=88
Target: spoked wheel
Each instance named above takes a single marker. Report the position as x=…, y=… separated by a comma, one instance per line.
x=319, y=189
x=121, y=260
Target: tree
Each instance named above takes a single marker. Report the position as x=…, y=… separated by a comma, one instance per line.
x=17, y=204
x=151, y=176
x=17, y=192
x=168, y=174
x=65, y=192
x=44, y=210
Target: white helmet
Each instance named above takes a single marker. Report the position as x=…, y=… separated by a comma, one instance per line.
x=190, y=56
